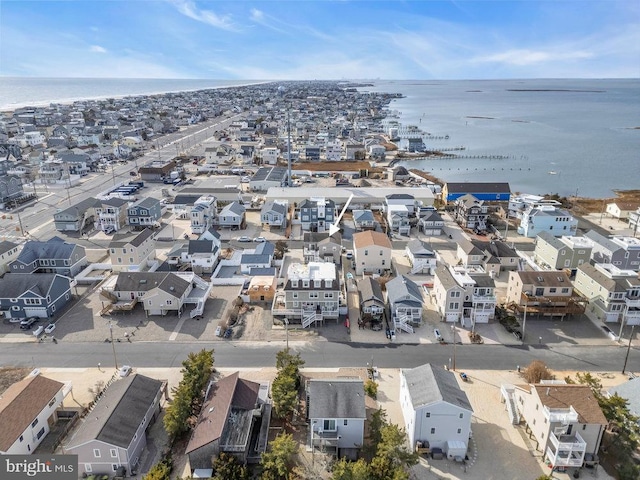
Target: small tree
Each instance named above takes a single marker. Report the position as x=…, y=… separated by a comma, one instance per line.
x=371, y=388
x=537, y=371
x=280, y=249
x=344, y=470
x=278, y=461
x=284, y=390
x=228, y=467
x=160, y=471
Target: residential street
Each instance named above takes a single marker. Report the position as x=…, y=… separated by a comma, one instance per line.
x=320, y=354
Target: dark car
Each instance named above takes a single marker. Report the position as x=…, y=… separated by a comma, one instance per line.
x=517, y=334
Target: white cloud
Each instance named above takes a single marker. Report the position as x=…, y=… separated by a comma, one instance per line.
x=97, y=49
x=189, y=9
x=525, y=57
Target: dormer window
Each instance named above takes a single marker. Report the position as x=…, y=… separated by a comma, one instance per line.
x=317, y=283
x=294, y=283
x=305, y=283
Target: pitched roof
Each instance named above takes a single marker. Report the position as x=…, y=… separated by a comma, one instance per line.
x=336, y=398
x=234, y=207
x=369, y=238
x=275, y=207
x=553, y=278
x=79, y=208
x=401, y=286
x=428, y=384
x=21, y=403
x=231, y=391
x=580, y=397
x=15, y=285
x=552, y=240
x=369, y=289
x=54, y=248
x=6, y=245
x=135, y=238
x=417, y=247
x=146, y=281
x=119, y=412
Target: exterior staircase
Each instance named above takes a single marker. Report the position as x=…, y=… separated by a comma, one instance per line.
x=309, y=317
x=512, y=410
x=417, y=268
x=402, y=323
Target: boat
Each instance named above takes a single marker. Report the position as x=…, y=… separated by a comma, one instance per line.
x=552, y=172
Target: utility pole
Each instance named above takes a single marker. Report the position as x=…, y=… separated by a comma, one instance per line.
x=624, y=367
x=286, y=329
x=113, y=345
x=453, y=329
x=524, y=321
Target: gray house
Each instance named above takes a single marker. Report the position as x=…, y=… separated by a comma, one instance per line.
x=371, y=301
x=336, y=415
x=77, y=218
x=261, y=257
x=234, y=419
x=274, y=214
x=53, y=256
x=11, y=191
x=622, y=252
x=232, y=215
x=563, y=252
x=364, y=220
x=317, y=214
x=321, y=247
x=146, y=212
x=113, y=434
x=36, y=295
x=405, y=302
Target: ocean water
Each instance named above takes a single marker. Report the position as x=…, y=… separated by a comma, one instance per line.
x=585, y=131
x=32, y=91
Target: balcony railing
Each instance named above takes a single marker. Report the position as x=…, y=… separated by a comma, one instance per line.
x=561, y=415
x=632, y=302
x=566, y=450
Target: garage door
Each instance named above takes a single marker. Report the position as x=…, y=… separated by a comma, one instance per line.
x=35, y=312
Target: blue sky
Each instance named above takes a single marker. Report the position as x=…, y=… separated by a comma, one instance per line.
x=299, y=39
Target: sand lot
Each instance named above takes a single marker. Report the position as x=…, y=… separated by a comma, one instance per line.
x=499, y=450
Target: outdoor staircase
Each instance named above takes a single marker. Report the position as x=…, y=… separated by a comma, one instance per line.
x=402, y=323
x=308, y=317
x=417, y=268
x=198, y=310
x=512, y=410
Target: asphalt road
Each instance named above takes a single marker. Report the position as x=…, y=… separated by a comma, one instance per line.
x=320, y=354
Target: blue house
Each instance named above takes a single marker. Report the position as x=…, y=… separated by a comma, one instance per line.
x=53, y=256
x=36, y=295
x=144, y=213
x=487, y=191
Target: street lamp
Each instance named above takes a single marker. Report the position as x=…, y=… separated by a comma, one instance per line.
x=286, y=329
x=453, y=329
x=524, y=320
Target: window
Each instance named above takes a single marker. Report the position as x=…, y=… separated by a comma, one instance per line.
x=328, y=294
x=383, y=262
x=459, y=430
x=295, y=294
x=345, y=422
x=428, y=414
x=114, y=467
x=366, y=253
x=313, y=294
x=537, y=406
x=87, y=468
x=584, y=427
x=21, y=437
x=461, y=416
x=380, y=252
x=534, y=421
x=35, y=422
x=114, y=453
x=433, y=430
x=565, y=290
x=329, y=425
x=96, y=453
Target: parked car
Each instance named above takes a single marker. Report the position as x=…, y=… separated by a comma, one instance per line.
x=38, y=331
x=517, y=334
x=245, y=180
x=27, y=323
x=228, y=333
x=50, y=328
x=218, y=331
x=260, y=239
x=349, y=254
x=109, y=230
x=349, y=276
x=124, y=370
x=244, y=238
x=437, y=334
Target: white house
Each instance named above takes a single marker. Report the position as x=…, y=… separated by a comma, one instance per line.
x=337, y=415
x=436, y=411
x=28, y=409
x=371, y=252
x=422, y=259
x=203, y=213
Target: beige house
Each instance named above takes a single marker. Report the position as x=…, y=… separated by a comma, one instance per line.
x=564, y=420
x=132, y=252
x=262, y=288
x=546, y=293
x=9, y=252
x=371, y=252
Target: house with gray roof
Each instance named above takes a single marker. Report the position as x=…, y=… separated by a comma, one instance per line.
x=232, y=216
x=274, y=214
x=267, y=177
x=364, y=220
x=53, y=256
x=146, y=212
x=260, y=257
x=422, y=258
x=372, y=305
x=132, y=251
x=77, y=218
x=203, y=255
x=556, y=221
x=36, y=295
x=159, y=293
x=336, y=413
x=234, y=419
x=629, y=390
x=430, y=222
x=562, y=252
x=113, y=435
x=405, y=301
x=437, y=412
x=111, y=214
x=322, y=247
x=622, y=252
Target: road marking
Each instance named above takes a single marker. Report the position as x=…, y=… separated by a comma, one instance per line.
x=175, y=332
